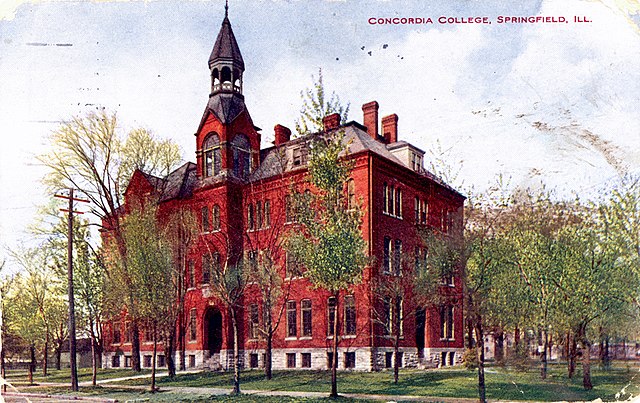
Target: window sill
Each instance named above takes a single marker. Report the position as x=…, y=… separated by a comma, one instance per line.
x=192, y=341
x=446, y=339
x=305, y=338
x=349, y=336
x=290, y=338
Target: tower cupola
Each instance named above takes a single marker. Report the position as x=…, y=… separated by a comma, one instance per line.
x=226, y=62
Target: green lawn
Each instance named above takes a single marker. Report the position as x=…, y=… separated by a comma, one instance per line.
x=501, y=383
x=63, y=375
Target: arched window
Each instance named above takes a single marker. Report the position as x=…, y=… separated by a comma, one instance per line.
x=211, y=154
x=241, y=156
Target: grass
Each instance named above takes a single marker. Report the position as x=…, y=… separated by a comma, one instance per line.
x=502, y=383
x=19, y=377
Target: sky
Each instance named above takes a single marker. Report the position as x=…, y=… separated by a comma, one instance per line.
x=552, y=102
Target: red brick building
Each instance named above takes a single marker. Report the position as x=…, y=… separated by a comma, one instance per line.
x=240, y=192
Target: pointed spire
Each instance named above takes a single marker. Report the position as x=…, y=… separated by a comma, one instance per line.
x=226, y=47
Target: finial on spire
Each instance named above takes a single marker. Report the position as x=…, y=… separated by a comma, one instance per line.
x=226, y=9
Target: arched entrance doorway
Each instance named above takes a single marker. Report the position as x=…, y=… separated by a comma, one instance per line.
x=212, y=331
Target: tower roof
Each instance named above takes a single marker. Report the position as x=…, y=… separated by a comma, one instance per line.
x=226, y=47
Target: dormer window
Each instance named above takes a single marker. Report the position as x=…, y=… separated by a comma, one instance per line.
x=416, y=162
x=241, y=156
x=212, y=156
x=300, y=156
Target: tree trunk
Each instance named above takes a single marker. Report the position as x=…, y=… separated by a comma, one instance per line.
x=153, y=360
x=499, y=345
x=135, y=346
x=334, y=360
x=58, y=355
x=169, y=348
x=32, y=364
x=573, y=354
x=543, y=356
x=94, y=362
x=236, y=354
x=181, y=342
x=482, y=390
x=267, y=354
x=45, y=354
x=586, y=359
x=516, y=339
x=3, y=369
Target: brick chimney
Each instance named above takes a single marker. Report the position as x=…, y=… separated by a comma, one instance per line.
x=370, y=119
x=390, y=128
x=331, y=121
x=282, y=134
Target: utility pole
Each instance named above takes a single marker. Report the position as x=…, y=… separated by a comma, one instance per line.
x=72, y=310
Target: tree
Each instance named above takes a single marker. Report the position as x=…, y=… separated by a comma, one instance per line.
x=328, y=242
x=150, y=268
x=316, y=105
x=89, y=154
x=228, y=279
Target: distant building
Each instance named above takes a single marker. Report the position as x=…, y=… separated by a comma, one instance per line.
x=240, y=192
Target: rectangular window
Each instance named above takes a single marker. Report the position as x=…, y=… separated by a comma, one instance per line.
x=417, y=210
x=398, y=204
x=397, y=257
x=349, y=315
x=205, y=219
x=306, y=360
x=161, y=361
x=307, y=324
x=254, y=321
x=387, y=316
x=127, y=361
x=385, y=200
x=390, y=201
x=147, y=333
x=127, y=332
x=147, y=361
x=330, y=362
x=331, y=315
x=351, y=194
x=386, y=260
x=216, y=218
x=289, y=209
x=259, y=222
x=253, y=360
x=424, y=212
x=267, y=214
x=388, y=359
x=117, y=335
x=206, y=268
x=446, y=322
x=191, y=275
x=350, y=359
x=193, y=325
x=192, y=361
x=115, y=361
x=292, y=320
x=252, y=258
x=291, y=269
x=250, y=218
x=291, y=360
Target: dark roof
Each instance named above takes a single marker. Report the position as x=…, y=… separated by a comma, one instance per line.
x=226, y=46
x=226, y=106
x=177, y=185
x=274, y=161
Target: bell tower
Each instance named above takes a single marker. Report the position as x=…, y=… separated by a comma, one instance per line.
x=227, y=142
x=226, y=62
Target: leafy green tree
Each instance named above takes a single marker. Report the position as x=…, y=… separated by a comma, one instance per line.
x=328, y=242
x=316, y=105
x=90, y=154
